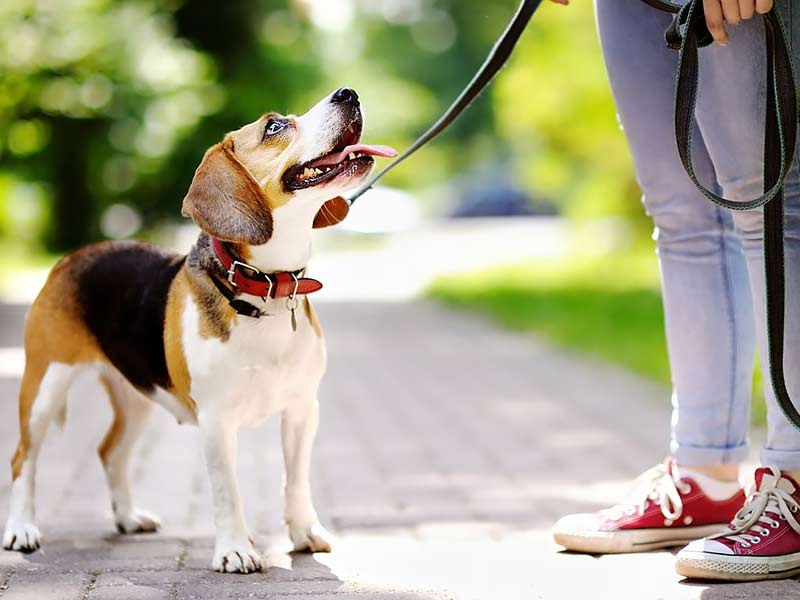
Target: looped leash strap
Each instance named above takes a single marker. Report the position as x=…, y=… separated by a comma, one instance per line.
x=687, y=33
x=498, y=57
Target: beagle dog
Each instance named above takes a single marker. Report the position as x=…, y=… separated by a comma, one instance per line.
x=221, y=338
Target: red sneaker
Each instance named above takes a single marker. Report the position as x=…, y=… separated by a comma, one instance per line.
x=762, y=541
x=664, y=509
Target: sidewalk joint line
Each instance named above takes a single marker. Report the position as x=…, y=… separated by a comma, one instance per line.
x=90, y=585
x=180, y=560
x=6, y=581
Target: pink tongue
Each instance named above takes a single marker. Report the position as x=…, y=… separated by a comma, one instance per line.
x=332, y=159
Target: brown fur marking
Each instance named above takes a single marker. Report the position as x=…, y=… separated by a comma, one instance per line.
x=117, y=428
x=217, y=318
x=226, y=201
x=312, y=317
x=54, y=332
x=173, y=342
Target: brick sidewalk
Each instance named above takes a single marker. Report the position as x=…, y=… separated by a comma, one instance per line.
x=446, y=450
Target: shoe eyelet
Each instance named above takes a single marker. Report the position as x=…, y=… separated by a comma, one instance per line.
x=764, y=532
x=794, y=509
x=756, y=540
x=745, y=544
x=775, y=525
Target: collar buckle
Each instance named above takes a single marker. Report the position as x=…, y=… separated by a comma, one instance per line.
x=232, y=278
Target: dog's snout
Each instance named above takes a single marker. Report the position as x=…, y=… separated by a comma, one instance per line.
x=345, y=95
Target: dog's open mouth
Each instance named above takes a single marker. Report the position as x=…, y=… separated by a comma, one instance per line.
x=348, y=158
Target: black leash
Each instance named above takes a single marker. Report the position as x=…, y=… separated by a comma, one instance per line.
x=498, y=57
x=687, y=33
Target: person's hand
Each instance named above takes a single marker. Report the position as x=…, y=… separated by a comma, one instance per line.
x=719, y=12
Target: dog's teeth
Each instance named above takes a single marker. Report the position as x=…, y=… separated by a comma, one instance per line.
x=317, y=172
x=352, y=156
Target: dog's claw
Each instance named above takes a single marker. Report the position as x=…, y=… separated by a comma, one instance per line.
x=22, y=537
x=311, y=538
x=137, y=521
x=238, y=559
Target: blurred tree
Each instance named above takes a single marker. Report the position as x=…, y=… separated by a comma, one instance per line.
x=109, y=102
x=94, y=94
x=555, y=108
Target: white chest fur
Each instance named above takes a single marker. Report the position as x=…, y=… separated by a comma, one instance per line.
x=262, y=367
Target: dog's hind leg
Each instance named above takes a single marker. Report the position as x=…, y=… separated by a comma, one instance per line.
x=43, y=394
x=131, y=412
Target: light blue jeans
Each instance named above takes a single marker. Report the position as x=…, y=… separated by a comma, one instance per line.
x=711, y=259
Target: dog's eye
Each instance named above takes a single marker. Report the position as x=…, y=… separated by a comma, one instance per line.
x=274, y=126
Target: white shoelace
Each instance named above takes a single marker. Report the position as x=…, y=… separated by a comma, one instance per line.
x=752, y=522
x=656, y=484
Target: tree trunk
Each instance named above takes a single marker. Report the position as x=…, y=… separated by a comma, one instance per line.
x=73, y=219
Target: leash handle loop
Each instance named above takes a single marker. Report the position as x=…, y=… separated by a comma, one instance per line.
x=781, y=99
x=686, y=34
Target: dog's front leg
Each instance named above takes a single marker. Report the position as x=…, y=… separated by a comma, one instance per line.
x=298, y=429
x=233, y=550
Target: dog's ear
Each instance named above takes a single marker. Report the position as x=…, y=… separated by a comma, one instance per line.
x=225, y=201
x=332, y=212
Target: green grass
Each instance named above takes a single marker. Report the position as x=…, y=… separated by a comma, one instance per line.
x=608, y=307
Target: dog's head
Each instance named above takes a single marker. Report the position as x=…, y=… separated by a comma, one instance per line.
x=296, y=163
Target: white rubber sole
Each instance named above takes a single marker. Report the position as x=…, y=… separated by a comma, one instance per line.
x=706, y=565
x=633, y=540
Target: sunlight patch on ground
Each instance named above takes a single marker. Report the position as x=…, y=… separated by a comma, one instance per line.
x=511, y=567
x=12, y=362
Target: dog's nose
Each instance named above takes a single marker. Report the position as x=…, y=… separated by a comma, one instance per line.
x=345, y=95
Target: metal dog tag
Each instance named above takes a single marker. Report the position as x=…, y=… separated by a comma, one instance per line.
x=291, y=304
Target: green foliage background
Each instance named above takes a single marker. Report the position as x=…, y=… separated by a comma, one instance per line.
x=106, y=102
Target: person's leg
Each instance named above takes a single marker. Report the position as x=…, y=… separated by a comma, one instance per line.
x=730, y=114
x=707, y=306
x=763, y=541
x=707, y=309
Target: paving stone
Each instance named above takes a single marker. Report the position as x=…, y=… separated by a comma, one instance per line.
x=118, y=587
x=446, y=450
x=41, y=584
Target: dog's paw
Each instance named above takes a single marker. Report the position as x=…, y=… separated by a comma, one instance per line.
x=313, y=538
x=22, y=537
x=137, y=521
x=237, y=558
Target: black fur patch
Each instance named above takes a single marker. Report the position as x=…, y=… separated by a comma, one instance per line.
x=123, y=295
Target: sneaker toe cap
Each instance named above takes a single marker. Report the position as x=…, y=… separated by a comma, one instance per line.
x=580, y=522
x=706, y=545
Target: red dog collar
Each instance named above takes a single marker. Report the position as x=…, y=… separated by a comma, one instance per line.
x=249, y=280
